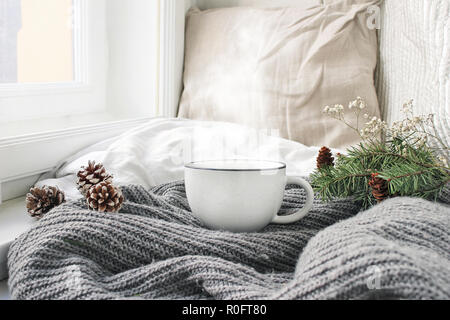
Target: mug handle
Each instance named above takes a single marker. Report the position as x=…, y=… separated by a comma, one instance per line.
x=306, y=208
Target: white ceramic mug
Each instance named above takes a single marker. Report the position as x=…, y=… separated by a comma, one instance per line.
x=241, y=195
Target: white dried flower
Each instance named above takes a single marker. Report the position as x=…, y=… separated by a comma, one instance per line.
x=362, y=103
x=336, y=111
x=409, y=129
x=352, y=105
x=339, y=107
x=443, y=160
x=407, y=107
x=373, y=127
x=359, y=103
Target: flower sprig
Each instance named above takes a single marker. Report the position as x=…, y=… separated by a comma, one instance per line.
x=371, y=129
x=418, y=131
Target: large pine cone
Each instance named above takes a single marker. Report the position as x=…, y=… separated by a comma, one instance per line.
x=325, y=158
x=39, y=201
x=91, y=175
x=380, y=188
x=104, y=197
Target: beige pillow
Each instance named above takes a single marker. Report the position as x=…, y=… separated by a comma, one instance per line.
x=277, y=68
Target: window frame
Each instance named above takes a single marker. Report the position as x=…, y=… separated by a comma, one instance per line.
x=80, y=62
x=83, y=94
x=53, y=146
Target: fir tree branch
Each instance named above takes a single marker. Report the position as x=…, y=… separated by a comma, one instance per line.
x=418, y=173
x=344, y=178
x=403, y=157
x=426, y=165
x=439, y=186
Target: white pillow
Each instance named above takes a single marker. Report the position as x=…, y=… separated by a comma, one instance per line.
x=277, y=68
x=209, y=4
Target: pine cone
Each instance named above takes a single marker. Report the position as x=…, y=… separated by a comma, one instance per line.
x=325, y=158
x=91, y=175
x=380, y=188
x=39, y=201
x=104, y=197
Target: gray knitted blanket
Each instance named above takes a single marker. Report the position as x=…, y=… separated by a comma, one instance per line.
x=155, y=249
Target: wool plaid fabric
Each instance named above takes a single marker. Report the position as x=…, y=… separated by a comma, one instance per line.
x=154, y=248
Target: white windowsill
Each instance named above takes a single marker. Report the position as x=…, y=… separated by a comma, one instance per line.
x=28, y=127
x=14, y=220
x=54, y=140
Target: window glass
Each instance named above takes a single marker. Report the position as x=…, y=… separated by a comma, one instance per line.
x=36, y=41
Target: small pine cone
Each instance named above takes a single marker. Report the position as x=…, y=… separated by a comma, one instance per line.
x=39, y=201
x=325, y=158
x=104, y=197
x=91, y=175
x=380, y=188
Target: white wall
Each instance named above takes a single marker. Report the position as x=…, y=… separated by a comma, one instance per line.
x=173, y=14
x=180, y=27
x=132, y=72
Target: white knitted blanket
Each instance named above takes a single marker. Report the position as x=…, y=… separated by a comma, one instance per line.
x=155, y=249
x=414, y=61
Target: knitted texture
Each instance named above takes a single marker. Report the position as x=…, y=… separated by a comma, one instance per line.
x=156, y=249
